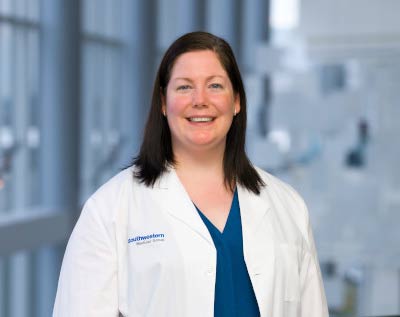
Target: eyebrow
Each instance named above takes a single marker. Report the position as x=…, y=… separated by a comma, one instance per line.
x=207, y=79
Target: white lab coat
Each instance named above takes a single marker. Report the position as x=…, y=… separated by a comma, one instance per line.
x=140, y=251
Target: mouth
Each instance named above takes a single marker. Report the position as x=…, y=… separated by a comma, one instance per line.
x=200, y=119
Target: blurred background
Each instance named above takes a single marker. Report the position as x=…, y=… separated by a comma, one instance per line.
x=323, y=85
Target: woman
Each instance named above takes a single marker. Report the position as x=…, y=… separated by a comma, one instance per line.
x=192, y=228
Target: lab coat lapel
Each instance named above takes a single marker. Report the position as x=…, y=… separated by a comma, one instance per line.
x=258, y=246
x=252, y=209
x=177, y=203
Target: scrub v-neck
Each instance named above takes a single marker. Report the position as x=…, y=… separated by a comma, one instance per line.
x=234, y=294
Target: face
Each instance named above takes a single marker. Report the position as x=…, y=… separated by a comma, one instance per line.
x=199, y=102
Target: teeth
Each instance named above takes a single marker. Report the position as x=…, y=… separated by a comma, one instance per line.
x=197, y=119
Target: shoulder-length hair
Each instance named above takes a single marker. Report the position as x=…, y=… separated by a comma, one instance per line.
x=156, y=153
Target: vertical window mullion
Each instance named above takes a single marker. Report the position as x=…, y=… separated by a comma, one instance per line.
x=33, y=137
x=115, y=101
x=9, y=137
x=13, y=114
x=5, y=128
x=106, y=110
x=85, y=123
x=99, y=116
x=20, y=98
x=19, y=263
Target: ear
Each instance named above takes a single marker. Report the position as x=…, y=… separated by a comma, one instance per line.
x=163, y=104
x=236, y=104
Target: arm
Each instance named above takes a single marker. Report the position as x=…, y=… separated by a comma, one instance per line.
x=88, y=280
x=313, y=301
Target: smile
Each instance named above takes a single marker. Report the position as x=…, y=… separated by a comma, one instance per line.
x=200, y=119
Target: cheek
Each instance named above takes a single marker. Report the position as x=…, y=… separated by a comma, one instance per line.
x=225, y=103
x=176, y=104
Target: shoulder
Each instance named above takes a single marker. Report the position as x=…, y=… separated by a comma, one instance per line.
x=279, y=187
x=119, y=182
x=109, y=200
x=287, y=202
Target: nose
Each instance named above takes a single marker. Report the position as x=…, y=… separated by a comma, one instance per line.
x=199, y=97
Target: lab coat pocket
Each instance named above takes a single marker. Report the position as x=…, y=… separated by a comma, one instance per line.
x=288, y=260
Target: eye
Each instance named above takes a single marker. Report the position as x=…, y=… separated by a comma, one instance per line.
x=216, y=86
x=183, y=87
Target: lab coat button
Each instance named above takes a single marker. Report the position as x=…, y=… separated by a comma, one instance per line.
x=255, y=271
x=210, y=270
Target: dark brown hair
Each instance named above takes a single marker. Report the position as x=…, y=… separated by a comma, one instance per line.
x=156, y=151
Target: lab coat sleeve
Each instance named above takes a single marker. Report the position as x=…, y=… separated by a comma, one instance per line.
x=313, y=300
x=88, y=280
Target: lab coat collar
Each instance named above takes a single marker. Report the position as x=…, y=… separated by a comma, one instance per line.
x=178, y=204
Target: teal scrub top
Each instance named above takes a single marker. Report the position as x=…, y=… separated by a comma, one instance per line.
x=234, y=294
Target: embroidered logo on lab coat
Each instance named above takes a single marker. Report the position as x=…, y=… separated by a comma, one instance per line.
x=150, y=238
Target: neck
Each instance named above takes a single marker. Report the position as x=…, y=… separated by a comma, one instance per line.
x=200, y=162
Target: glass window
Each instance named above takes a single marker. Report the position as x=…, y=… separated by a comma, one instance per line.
x=19, y=107
x=102, y=54
x=284, y=14
x=7, y=133
x=5, y=7
x=19, y=139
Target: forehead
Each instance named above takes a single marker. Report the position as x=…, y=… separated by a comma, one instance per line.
x=205, y=62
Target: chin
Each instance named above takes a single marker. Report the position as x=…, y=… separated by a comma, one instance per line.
x=202, y=140
x=207, y=144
